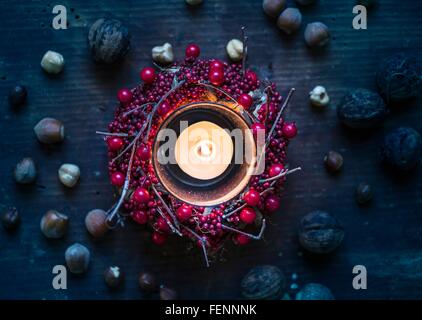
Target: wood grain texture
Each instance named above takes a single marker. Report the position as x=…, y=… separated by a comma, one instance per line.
x=386, y=237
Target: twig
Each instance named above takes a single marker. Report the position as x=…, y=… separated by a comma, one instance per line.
x=103, y=133
x=164, y=97
x=138, y=135
x=115, y=209
x=170, y=212
x=137, y=108
x=203, y=243
x=168, y=222
x=282, y=174
x=255, y=237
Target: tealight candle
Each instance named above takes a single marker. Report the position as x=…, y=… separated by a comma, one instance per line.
x=204, y=150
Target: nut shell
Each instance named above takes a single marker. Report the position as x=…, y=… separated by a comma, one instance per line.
x=361, y=109
x=113, y=277
x=320, y=232
x=317, y=35
x=109, y=40
x=147, y=282
x=54, y=224
x=17, y=96
x=314, y=291
x=95, y=223
x=49, y=130
x=10, y=219
x=69, y=174
x=401, y=149
x=263, y=283
x=25, y=171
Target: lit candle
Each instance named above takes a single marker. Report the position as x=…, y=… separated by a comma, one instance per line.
x=204, y=150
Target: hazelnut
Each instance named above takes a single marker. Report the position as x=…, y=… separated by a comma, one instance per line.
x=333, y=161
x=317, y=34
x=319, y=97
x=193, y=2
x=54, y=224
x=108, y=40
x=163, y=54
x=49, y=130
x=77, y=258
x=69, y=174
x=25, y=171
x=17, y=96
x=147, y=282
x=167, y=293
x=290, y=20
x=113, y=277
x=10, y=219
x=52, y=62
x=234, y=49
x=305, y=2
x=273, y=8
x=95, y=223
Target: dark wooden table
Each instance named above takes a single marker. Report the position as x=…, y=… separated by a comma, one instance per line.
x=386, y=237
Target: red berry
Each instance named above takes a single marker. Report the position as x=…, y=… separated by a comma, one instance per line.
x=140, y=217
x=245, y=100
x=124, y=95
x=148, y=75
x=252, y=197
x=252, y=77
x=258, y=127
x=272, y=203
x=117, y=179
x=242, y=239
x=141, y=195
x=114, y=143
x=184, y=212
x=289, y=130
x=144, y=152
x=159, y=238
x=216, y=76
x=192, y=50
x=163, y=109
x=217, y=64
x=162, y=225
x=247, y=215
x=275, y=169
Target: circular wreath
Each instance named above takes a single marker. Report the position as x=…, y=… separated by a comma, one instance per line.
x=131, y=135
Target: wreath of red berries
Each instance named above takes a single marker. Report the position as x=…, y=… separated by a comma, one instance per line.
x=130, y=138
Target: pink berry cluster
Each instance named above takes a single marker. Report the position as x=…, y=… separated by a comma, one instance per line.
x=136, y=105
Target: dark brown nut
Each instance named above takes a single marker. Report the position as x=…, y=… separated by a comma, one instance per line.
x=95, y=223
x=17, y=96
x=289, y=20
x=109, y=40
x=320, y=232
x=317, y=35
x=333, y=161
x=147, y=282
x=49, y=130
x=167, y=293
x=273, y=8
x=10, y=219
x=77, y=258
x=113, y=277
x=314, y=291
x=54, y=225
x=263, y=283
x=25, y=171
x=364, y=193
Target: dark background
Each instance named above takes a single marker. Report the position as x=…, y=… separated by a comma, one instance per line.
x=385, y=237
